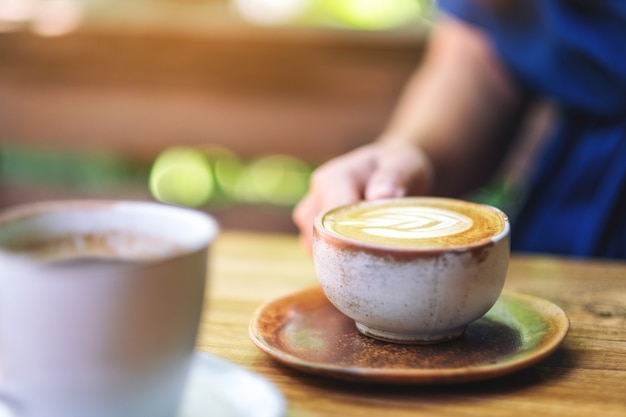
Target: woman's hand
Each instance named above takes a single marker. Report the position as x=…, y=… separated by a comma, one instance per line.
x=380, y=170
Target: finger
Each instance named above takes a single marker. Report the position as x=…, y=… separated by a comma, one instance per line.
x=303, y=215
x=323, y=196
x=335, y=183
x=342, y=180
x=400, y=171
x=384, y=185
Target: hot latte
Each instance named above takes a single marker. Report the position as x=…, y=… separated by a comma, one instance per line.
x=417, y=222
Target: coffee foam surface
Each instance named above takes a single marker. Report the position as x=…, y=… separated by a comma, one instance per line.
x=416, y=222
x=107, y=245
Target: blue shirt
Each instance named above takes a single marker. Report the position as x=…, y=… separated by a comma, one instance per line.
x=576, y=55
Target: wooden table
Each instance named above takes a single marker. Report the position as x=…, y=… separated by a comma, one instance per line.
x=586, y=376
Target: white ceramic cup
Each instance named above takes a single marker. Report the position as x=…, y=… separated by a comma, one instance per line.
x=105, y=337
x=412, y=270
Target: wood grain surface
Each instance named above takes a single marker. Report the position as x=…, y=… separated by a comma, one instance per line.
x=586, y=376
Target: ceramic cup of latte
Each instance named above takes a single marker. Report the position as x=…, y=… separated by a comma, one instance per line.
x=412, y=270
x=99, y=306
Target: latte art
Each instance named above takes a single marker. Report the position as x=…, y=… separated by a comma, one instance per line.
x=417, y=222
x=405, y=222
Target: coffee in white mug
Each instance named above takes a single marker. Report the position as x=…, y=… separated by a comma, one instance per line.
x=100, y=303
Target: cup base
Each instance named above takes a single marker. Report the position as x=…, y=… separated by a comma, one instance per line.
x=410, y=338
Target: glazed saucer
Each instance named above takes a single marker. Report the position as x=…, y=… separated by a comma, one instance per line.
x=219, y=388
x=305, y=331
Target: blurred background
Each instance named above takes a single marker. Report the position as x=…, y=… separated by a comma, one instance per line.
x=222, y=105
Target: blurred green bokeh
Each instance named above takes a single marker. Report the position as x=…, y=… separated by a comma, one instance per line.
x=94, y=172
x=215, y=175
x=188, y=176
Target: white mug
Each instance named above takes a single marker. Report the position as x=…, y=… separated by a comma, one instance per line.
x=99, y=337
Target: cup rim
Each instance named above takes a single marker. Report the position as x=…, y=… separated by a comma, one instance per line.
x=205, y=227
x=319, y=228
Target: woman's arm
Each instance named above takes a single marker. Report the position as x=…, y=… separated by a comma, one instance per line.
x=456, y=108
x=441, y=138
